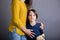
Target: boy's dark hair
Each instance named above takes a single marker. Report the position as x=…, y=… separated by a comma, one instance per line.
x=33, y=10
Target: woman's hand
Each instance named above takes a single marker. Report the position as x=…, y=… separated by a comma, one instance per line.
x=30, y=33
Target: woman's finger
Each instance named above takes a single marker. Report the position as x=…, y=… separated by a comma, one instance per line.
x=31, y=36
x=33, y=33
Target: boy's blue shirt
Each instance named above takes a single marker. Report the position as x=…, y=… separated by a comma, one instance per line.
x=36, y=29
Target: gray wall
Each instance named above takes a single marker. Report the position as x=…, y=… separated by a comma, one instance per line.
x=48, y=12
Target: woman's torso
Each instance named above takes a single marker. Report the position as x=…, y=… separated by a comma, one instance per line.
x=22, y=15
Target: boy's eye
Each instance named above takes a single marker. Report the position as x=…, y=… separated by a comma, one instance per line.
x=29, y=15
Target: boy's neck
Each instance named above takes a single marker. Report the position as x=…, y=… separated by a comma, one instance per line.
x=32, y=23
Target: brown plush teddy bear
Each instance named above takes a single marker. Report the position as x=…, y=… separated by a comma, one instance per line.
x=41, y=37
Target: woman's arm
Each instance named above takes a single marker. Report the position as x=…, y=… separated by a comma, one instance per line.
x=15, y=13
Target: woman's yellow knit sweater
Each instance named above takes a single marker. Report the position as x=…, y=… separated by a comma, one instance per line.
x=19, y=14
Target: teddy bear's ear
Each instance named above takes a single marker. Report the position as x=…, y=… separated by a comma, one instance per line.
x=43, y=35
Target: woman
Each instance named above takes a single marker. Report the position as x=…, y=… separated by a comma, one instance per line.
x=17, y=29
x=36, y=27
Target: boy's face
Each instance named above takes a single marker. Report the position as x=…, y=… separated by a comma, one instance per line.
x=32, y=16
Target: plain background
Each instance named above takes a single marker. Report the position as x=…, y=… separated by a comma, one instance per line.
x=48, y=12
